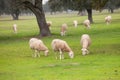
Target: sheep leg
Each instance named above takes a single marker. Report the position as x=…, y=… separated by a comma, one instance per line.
x=38, y=54
x=88, y=26
x=35, y=54
x=60, y=54
x=62, y=33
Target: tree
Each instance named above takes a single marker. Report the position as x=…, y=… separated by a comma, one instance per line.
x=112, y=4
x=37, y=9
x=55, y=5
x=89, y=5
x=46, y=7
x=67, y=4
x=2, y=6
x=11, y=7
x=79, y=5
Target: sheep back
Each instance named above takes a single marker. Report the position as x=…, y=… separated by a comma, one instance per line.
x=37, y=44
x=60, y=44
x=85, y=40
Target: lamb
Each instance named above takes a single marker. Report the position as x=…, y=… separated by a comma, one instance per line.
x=49, y=23
x=75, y=22
x=108, y=19
x=63, y=29
x=85, y=42
x=37, y=45
x=15, y=28
x=61, y=46
x=87, y=23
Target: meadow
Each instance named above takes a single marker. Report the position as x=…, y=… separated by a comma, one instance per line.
x=103, y=62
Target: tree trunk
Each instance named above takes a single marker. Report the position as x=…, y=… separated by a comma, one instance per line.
x=39, y=13
x=89, y=11
x=15, y=17
x=111, y=10
x=43, y=27
x=15, y=14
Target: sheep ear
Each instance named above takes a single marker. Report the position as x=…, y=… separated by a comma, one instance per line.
x=84, y=49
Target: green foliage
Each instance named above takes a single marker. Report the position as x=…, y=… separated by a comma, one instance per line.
x=99, y=4
x=102, y=63
x=55, y=5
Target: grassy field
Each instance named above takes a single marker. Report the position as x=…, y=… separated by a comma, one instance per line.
x=103, y=62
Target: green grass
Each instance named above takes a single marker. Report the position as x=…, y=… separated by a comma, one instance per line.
x=103, y=62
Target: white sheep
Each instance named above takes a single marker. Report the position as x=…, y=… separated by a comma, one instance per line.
x=61, y=46
x=75, y=23
x=37, y=45
x=108, y=19
x=85, y=42
x=87, y=23
x=15, y=28
x=49, y=23
x=63, y=29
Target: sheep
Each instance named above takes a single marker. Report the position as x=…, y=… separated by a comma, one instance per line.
x=49, y=23
x=85, y=42
x=15, y=28
x=61, y=46
x=32, y=40
x=87, y=23
x=63, y=29
x=108, y=19
x=75, y=23
x=37, y=45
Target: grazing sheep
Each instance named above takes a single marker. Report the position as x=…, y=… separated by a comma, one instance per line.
x=15, y=28
x=75, y=22
x=108, y=19
x=37, y=45
x=87, y=23
x=61, y=46
x=49, y=23
x=85, y=42
x=63, y=29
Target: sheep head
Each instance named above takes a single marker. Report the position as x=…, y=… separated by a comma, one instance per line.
x=46, y=52
x=84, y=51
x=71, y=54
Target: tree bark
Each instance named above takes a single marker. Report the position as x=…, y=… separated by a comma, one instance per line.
x=89, y=11
x=15, y=17
x=39, y=13
x=112, y=10
x=15, y=14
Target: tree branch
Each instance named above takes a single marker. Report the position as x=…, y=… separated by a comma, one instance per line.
x=29, y=5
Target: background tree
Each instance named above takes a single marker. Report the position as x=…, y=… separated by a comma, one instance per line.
x=11, y=7
x=55, y=5
x=112, y=4
x=2, y=7
x=46, y=7
x=80, y=5
x=67, y=4
x=89, y=5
